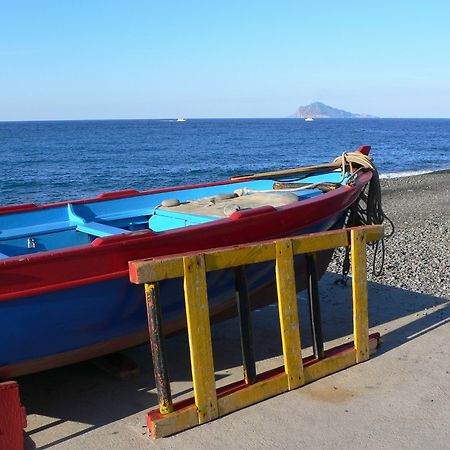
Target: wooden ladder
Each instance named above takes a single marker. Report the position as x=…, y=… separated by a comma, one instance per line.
x=210, y=403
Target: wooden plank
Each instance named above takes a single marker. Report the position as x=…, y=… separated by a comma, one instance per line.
x=239, y=395
x=314, y=305
x=374, y=232
x=163, y=425
x=330, y=364
x=359, y=291
x=150, y=271
x=288, y=312
x=253, y=393
x=240, y=256
x=99, y=229
x=311, y=243
x=199, y=332
x=277, y=173
x=245, y=324
x=160, y=369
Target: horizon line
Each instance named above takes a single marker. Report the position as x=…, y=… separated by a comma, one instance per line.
x=216, y=118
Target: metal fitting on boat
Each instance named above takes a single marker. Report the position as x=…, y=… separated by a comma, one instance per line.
x=31, y=242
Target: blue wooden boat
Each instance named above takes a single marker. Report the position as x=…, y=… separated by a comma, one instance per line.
x=65, y=294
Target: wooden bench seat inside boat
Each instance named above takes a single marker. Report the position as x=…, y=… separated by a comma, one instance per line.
x=127, y=214
x=99, y=229
x=93, y=228
x=33, y=230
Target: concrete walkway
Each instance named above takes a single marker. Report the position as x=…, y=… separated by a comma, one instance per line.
x=399, y=399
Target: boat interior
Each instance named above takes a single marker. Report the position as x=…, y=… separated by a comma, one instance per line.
x=72, y=224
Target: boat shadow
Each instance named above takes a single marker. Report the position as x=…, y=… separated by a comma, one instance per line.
x=69, y=402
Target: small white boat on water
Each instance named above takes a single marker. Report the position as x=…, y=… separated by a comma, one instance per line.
x=180, y=119
x=309, y=119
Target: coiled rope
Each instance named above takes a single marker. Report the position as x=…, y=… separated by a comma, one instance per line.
x=367, y=210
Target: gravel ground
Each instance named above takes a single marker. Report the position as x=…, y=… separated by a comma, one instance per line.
x=418, y=254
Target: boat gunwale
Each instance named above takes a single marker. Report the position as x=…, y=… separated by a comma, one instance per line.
x=147, y=233
x=69, y=257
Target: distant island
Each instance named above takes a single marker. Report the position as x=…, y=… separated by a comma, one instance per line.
x=318, y=110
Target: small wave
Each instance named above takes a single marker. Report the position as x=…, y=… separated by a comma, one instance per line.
x=410, y=173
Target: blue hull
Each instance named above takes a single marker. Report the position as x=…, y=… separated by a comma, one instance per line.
x=71, y=325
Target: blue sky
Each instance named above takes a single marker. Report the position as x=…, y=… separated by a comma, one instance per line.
x=159, y=59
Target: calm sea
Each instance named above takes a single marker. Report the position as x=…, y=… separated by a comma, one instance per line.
x=51, y=161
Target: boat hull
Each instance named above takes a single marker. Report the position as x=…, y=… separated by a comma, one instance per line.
x=62, y=327
x=65, y=327
x=65, y=306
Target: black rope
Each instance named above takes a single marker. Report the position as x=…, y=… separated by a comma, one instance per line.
x=367, y=210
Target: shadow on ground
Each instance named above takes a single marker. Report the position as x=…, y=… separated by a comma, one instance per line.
x=85, y=394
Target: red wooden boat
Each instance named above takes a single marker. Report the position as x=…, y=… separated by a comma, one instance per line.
x=64, y=289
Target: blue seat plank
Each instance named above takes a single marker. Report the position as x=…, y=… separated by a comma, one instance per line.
x=33, y=230
x=163, y=220
x=99, y=229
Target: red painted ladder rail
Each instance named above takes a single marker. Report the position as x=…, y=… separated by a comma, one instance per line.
x=13, y=418
x=210, y=403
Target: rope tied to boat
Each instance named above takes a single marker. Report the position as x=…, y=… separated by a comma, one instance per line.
x=348, y=162
x=358, y=158
x=367, y=210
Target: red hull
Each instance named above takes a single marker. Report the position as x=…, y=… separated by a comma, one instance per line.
x=107, y=258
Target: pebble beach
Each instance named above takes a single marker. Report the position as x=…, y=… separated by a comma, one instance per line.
x=417, y=256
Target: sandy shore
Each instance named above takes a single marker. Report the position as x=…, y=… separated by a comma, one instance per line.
x=399, y=399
